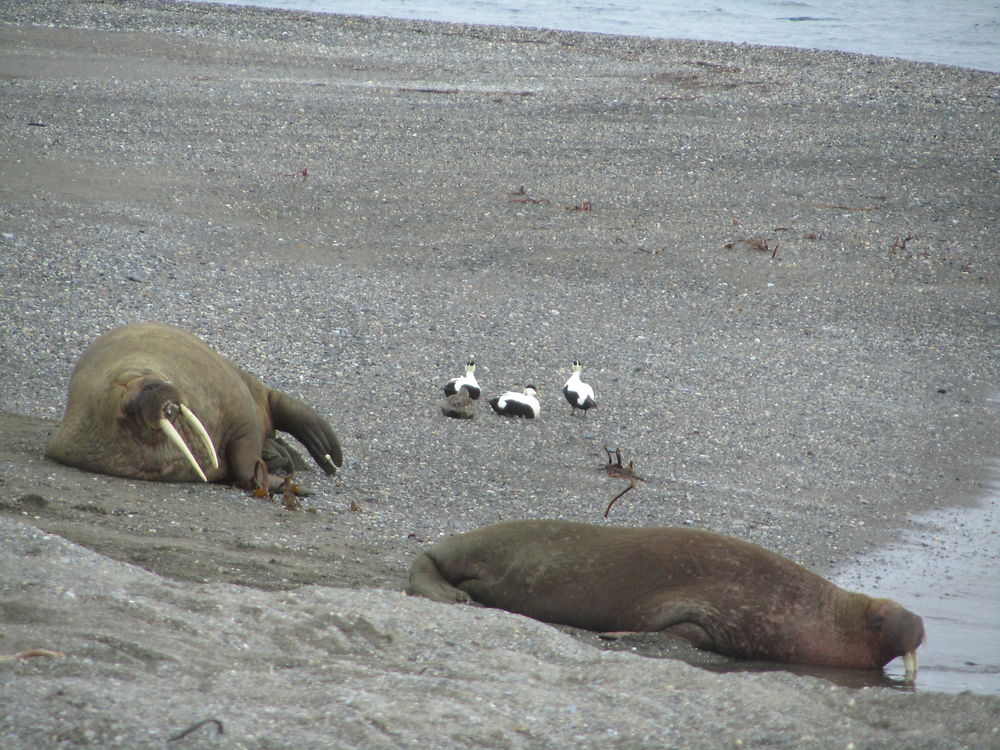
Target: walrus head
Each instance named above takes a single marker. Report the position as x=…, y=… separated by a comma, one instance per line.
x=894, y=631
x=153, y=408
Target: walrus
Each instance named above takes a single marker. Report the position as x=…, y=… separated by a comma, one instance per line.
x=152, y=401
x=716, y=592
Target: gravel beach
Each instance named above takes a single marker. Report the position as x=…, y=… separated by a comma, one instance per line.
x=778, y=267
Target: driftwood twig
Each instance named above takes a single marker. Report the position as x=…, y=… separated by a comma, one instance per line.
x=617, y=470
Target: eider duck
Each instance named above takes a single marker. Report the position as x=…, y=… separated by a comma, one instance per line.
x=579, y=394
x=468, y=380
x=459, y=405
x=514, y=404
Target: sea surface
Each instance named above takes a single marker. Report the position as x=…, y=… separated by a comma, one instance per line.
x=947, y=570
x=953, y=32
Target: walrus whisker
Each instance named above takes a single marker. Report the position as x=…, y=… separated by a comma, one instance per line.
x=178, y=442
x=199, y=428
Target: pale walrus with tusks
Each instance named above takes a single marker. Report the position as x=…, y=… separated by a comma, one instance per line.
x=716, y=592
x=151, y=401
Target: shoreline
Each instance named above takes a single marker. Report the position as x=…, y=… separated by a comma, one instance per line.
x=762, y=37
x=945, y=566
x=782, y=287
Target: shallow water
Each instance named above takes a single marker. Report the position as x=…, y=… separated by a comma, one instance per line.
x=965, y=33
x=948, y=572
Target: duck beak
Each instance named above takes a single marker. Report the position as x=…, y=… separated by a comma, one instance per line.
x=178, y=442
x=202, y=433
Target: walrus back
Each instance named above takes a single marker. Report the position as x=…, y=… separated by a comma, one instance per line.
x=551, y=570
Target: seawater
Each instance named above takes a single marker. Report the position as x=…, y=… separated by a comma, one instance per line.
x=947, y=570
x=953, y=32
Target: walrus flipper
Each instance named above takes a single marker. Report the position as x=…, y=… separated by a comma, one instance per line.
x=309, y=428
x=683, y=619
x=280, y=456
x=426, y=580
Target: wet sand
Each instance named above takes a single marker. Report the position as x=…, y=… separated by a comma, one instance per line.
x=946, y=570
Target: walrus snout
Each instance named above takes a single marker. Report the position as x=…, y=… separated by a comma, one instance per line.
x=899, y=633
x=155, y=404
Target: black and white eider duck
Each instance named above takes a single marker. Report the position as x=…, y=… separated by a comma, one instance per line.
x=468, y=380
x=459, y=405
x=514, y=404
x=579, y=394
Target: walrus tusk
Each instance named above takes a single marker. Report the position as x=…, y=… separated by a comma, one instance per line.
x=910, y=665
x=198, y=427
x=178, y=442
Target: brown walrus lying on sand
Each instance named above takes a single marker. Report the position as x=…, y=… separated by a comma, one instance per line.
x=151, y=401
x=716, y=592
